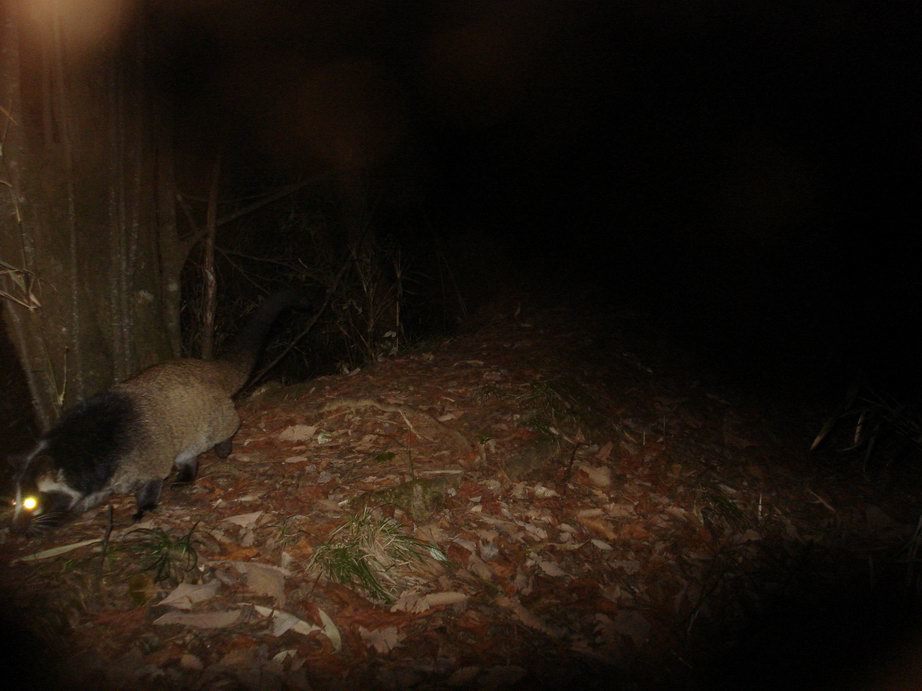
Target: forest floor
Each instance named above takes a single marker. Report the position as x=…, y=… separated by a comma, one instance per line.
x=537, y=502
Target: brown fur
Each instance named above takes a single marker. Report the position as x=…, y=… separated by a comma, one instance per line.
x=127, y=439
x=185, y=409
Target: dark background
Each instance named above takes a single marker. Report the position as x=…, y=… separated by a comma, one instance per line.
x=743, y=173
x=743, y=177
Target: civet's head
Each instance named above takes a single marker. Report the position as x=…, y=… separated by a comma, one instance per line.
x=42, y=498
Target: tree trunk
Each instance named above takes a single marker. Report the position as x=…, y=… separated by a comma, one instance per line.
x=86, y=212
x=22, y=312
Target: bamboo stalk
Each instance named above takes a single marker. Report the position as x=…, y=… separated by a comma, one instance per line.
x=211, y=284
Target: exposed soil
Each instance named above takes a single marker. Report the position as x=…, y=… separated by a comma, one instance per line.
x=609, y=517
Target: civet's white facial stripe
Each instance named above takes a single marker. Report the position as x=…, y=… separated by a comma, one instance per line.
x=57, y=484
x=41, y=446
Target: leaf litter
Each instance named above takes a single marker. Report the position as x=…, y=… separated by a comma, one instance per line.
x=512, y=507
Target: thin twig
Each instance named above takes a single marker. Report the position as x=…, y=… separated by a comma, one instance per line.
x=569, y=470
x=105, y=548
x=823, y=502
x=250, y=208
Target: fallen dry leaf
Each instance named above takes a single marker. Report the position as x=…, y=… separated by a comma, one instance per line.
x=203, y=620
x=603, y=454
x=283, y=655
x=477, y=566
x=629, y=566
x=55, y=551
x=551, y=568
x=409, y=601
x=190, y=662
x=748, y=535
x=677, y=512
x=245, y=520
x=285, y=621
x=621, y=510
x=239, y=553
x=187, y=594
x=633, y=531
x=264, y=579
x=526, y=617
x=330, y=630
x=383, y=640
x=445, y=598
x=297, y=433
x=598, y=526
x=413, y=601
x=542, y=492
x=600, y=476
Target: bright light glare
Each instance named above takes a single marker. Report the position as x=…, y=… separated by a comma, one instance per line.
x=29, y=503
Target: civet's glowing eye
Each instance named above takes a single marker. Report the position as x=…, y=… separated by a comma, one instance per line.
x=29, y=503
